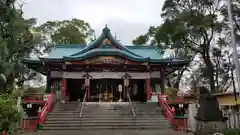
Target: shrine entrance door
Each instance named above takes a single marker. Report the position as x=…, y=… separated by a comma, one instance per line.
x=105, y=90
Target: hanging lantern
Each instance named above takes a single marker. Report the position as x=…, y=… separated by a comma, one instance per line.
x=181, y=105
x=87, y=82
x=126, y=82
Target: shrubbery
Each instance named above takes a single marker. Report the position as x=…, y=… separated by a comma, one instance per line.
x=172, y=93
x=232, y=132
x=9, y=114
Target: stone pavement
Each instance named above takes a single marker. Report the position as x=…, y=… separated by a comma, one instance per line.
x=110, y=132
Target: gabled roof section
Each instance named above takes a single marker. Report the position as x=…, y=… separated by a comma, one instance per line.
x=105, y=40
x=60, y=50
x=106, y=52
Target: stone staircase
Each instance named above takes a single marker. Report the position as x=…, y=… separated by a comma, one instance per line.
x=105, y=116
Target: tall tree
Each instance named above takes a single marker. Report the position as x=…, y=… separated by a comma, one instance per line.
x=73, y=31
x=16, y=41
x=152, y=37
x=147, y=38
x=192, y=24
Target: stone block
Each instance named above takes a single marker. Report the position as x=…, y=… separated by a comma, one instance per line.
x=209, y=128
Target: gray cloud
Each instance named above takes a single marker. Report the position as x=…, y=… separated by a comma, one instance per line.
x=127, y=18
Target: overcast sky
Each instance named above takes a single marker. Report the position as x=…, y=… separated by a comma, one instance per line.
x=127, y=18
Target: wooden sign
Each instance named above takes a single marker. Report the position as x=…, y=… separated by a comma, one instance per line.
x=106, y=60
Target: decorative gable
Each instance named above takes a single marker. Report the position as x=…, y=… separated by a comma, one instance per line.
x=105, y=40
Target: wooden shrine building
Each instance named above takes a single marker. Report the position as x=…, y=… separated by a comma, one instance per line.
x=100, y=67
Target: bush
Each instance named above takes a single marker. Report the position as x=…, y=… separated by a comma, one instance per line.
x=171, y=93
x=9, y=115
x=232, y=132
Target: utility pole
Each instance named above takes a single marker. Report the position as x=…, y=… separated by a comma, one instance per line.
x=234, y=47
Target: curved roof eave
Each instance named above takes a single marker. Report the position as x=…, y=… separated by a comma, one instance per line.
x=51, y=59
x=34, y=64
x=103, y=52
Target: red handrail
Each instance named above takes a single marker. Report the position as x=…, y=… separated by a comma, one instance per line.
x=177, y=122
x=28, y=125
x=166, y=108
x=46, y=108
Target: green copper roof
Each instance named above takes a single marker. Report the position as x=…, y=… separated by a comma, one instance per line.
x=106, y=52
x=106, y=34
x=60, y=51
x=146, y=51
x=73, y=52
x=97, y=48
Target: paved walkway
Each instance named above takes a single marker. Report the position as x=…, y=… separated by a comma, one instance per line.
x=111, y=132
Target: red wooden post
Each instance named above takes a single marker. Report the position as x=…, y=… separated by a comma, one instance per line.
x=148, y=89
x=39, y=114
x=88, y=92
x=64, y=94
x=87, y=87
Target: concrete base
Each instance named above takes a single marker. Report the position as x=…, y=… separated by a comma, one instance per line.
x=154, y=98
x=209, y=128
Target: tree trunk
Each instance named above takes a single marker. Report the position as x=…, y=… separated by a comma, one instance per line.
x=177, y=83
x=210, y=72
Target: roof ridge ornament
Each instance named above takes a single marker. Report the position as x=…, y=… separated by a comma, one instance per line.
x=106, y=29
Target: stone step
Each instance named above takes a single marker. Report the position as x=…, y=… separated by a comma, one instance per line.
x=107, y=127
x=112, y=132
x=108, y=121
x=103, y=113
x=105, y=124
x=100, y=119
x=105, y=116
x=122, y=110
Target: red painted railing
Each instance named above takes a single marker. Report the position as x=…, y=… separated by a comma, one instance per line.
x=46, y=108
x=169, y=114
x=178, y=122
x=29, y=125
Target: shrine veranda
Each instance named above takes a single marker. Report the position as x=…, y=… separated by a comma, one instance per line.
x=101, y=66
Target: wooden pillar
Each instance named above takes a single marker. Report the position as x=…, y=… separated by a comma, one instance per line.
x=124, y=92
x=162, y=77
x=125, y=86
x=64, y=88
x=87, y=87
x=148, y=88
x=48, y=83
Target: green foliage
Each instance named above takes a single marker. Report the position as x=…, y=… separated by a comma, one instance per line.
x=171, y=92
x=16, y=41
x=147, y=37
x=142, y=39
x=194, y=25
x=196, y=29
x=73, y=31
x=232, y=132
x=9, y=115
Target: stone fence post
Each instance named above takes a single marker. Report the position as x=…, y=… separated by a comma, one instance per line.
x=192, y=111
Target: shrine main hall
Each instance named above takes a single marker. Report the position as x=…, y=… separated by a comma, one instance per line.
x=95, y=71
